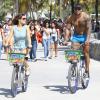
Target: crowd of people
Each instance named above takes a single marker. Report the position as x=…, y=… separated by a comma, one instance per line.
x=49, y=33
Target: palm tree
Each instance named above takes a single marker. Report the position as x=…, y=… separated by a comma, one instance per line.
x=5, y=7
x=23, y=6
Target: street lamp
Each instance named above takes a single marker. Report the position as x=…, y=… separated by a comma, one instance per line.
x=96, y=10
x=51, y=2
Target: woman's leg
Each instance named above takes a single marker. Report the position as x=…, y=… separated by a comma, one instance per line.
x=0, y=48
x=31, y=53
x=45, y=48
x=48, y=46
x=56, y=48
x=27, y=68
x=51, y=49
x=34, y=48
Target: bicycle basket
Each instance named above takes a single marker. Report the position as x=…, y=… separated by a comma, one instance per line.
x=71, y=55
x=16, y=57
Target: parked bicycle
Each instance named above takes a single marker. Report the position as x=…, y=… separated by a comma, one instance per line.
x=76, y=71
x=19, y=78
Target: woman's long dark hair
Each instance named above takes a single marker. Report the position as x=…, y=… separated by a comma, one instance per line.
x=16, y=18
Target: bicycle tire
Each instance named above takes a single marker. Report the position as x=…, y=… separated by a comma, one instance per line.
x=24, y=81
x=14, y=84
x=84, y=80
x=72, y=75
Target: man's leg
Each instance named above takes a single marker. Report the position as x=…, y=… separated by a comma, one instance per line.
x=87, y=58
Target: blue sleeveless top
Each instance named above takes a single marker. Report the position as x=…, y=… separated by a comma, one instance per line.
x=20, y=37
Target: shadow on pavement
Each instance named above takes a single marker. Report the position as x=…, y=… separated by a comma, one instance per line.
x=58, y=88
x=61, y=89
x=5, y=92
x=3, y=59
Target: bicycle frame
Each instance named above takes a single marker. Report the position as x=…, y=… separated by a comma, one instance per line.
x=18, y=75
x=76, y=59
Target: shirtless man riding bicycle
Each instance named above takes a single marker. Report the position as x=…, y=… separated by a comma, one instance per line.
x=82, y=28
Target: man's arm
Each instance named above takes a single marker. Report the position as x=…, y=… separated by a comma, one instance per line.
x=88, y=28
x=68, y=28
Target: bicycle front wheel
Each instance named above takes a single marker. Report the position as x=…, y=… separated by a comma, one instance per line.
x=72, y=78
x=14, y=84
x=24, y=81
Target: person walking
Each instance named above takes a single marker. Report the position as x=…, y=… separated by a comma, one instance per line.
x=2, y=39
x=34, y=42
x=46, y=39
x=54, y=40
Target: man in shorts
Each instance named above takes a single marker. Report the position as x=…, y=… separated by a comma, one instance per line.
x=82, y=28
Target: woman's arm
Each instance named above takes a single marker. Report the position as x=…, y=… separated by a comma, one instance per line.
x=2, y=34
x=3, y=37
x=10, y=36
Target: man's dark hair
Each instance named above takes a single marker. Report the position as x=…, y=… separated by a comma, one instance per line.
x=78, y=6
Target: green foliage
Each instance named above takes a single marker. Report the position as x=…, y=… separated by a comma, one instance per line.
x=35, y=5
x=5, y=6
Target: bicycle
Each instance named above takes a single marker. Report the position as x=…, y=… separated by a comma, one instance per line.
x=76, y=71
x=19, y=78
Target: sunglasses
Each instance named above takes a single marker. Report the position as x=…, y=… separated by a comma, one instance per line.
x=78, y=8
x=23, y=18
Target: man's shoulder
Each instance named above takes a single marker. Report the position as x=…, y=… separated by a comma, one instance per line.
x=85, y=15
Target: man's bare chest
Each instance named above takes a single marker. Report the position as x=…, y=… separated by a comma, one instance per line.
x=79, y=22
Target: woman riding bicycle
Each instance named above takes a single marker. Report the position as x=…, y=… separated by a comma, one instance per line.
x=20, y=33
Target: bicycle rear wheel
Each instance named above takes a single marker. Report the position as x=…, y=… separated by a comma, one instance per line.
x=84, y=78
x=14, y=84
x=73, y=78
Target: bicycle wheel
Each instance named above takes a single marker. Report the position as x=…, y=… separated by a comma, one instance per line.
x=72, y=78
x=14, y=84
x=24, y=81
x=84, y=78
